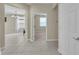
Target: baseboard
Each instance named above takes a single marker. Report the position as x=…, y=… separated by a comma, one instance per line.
x=1, y=49
x=13, y=34
x=52, y=40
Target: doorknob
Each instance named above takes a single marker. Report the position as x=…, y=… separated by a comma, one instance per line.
x=76, y=38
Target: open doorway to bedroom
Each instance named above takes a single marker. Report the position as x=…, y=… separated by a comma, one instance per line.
x=40, y=27
x=14, y=27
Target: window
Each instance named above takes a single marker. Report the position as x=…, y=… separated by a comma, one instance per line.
x=43, y=21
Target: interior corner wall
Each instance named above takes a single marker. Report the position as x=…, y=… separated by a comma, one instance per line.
x=52, y=28
x=2, y=41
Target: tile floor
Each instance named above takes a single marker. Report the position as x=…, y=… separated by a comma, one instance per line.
x=17, y=45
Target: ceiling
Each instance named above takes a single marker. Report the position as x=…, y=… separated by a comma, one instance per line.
x=13, y=10
x=42, y=4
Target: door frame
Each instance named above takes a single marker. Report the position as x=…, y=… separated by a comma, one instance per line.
x=33, y=26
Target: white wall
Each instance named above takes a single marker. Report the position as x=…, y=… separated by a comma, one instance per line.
x=1, y=26
x=52, y=15
x=10, y=25
x=52, y=28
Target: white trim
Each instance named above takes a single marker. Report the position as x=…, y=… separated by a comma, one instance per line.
x=11, y=34
x=46, y=26
x=52, y=40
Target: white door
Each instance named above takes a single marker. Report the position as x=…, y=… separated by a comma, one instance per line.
x=72, y=23
x=77, y=31
x=69, y=39
x=68, y=26
x=71, y=17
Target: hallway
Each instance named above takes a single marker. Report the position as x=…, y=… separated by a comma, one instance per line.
x=16, y=45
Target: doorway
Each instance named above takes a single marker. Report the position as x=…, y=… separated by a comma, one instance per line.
x=14, y=27
x=40, y=25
